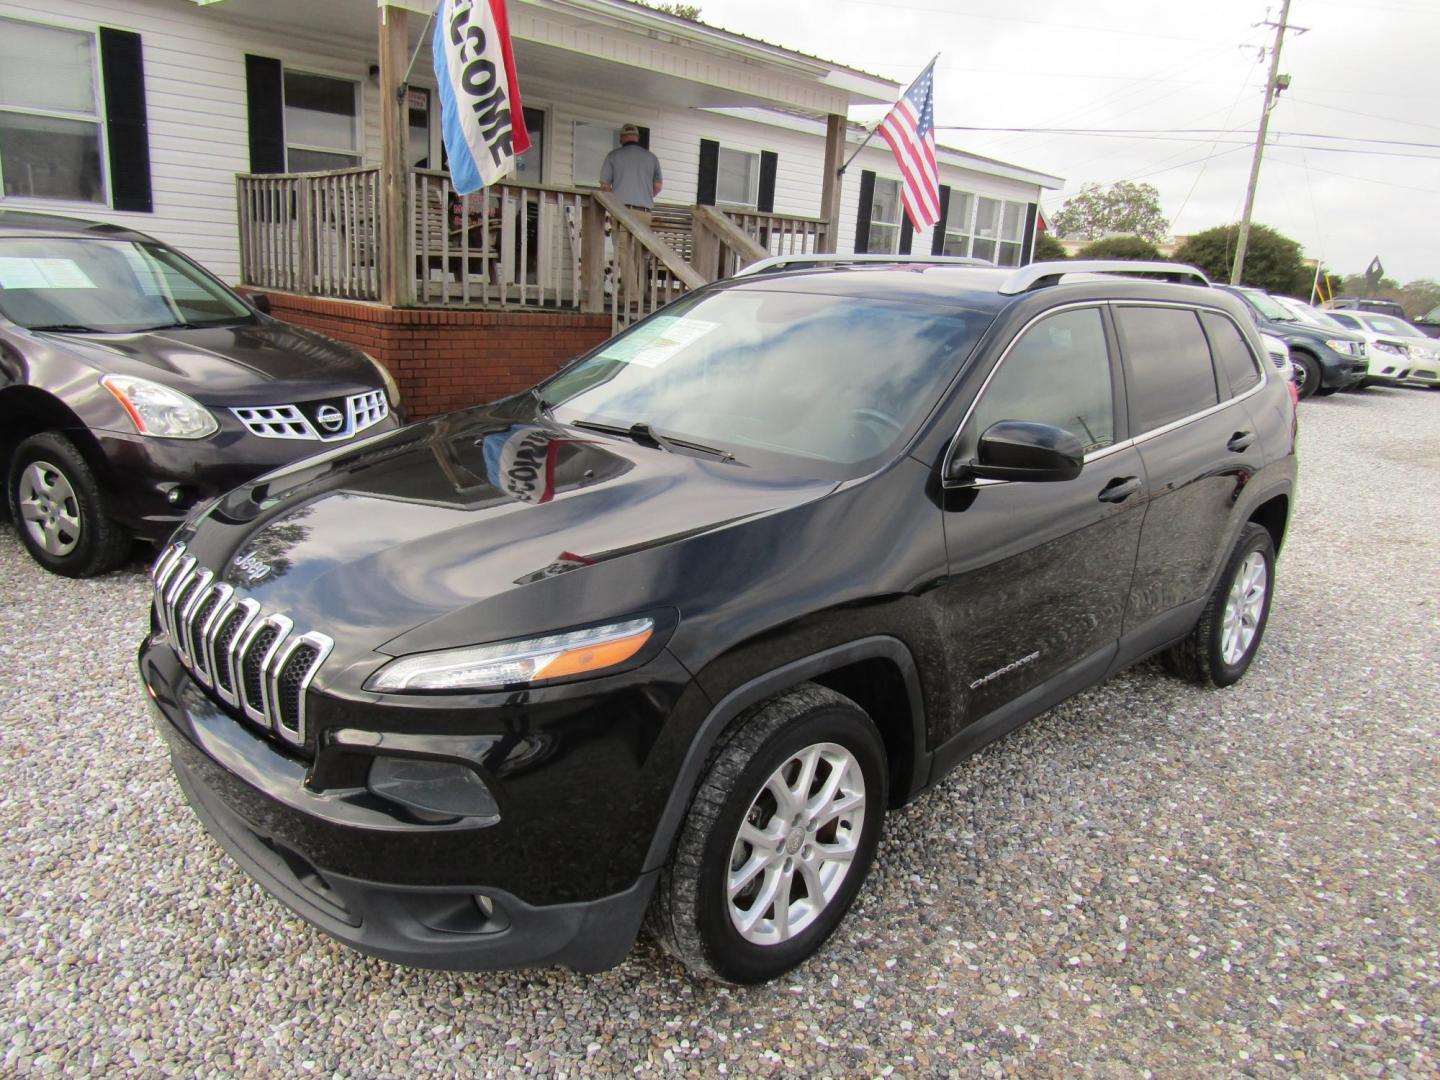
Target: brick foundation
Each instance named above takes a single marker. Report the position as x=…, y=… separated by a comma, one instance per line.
x=446, y=360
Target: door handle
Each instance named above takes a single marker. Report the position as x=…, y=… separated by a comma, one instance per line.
x=1119, y=489
x=1240, y=442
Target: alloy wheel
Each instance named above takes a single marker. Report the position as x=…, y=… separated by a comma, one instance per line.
x=796, y=844
x=49, y=508
x=1243, y=607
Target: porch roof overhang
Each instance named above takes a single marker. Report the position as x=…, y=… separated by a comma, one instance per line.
x=620, y=47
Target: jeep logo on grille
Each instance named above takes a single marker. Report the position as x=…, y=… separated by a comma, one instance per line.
x=330, y=418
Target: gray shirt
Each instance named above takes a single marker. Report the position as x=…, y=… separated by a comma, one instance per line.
x=632, y=173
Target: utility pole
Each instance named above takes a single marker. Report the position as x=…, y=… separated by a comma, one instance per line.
x=1243, y=240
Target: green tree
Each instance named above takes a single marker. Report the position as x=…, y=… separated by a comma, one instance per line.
x=1048, y=249
x=1123, y=207
x=1120, y=247
x=681, y=11
x=1272, y=261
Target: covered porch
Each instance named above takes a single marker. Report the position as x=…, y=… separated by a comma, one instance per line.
x=390, y=229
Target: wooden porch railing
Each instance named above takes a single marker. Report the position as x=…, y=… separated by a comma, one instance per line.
x=311, y=232
x=559, y=248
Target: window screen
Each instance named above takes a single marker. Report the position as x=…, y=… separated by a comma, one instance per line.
x=1231, y=353
x=1057, y=373
x=1169, y=373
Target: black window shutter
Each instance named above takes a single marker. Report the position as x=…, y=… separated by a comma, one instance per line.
x=907, y=233
x=1027, y=247
x=709, y=167
x=122, y=65
x=265, y=97
x=862, y=219
x=937, y=243
x=766, y=200
x=644, y=136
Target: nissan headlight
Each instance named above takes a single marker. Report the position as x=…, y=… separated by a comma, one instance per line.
x=540, y=659
x=1346, y=347
x=159, y=410
x=1385, y=346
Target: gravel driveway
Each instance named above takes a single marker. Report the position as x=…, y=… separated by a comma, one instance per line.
x=1150, y=877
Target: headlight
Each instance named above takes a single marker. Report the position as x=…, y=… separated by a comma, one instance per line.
x=489, y=667
x=392, y=389
x=1385, y=346
x=1346, y=347
x=160, y=411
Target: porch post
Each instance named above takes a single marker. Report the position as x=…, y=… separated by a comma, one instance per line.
x=394, y=219
x=835, y=127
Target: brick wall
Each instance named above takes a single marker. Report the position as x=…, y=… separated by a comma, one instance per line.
x=446, y=360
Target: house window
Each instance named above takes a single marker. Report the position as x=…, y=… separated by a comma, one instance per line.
x=737, y=178
x=417, y=110
x=959, y=221
x=322, y=129
x=592, y=143
x=1012, y=233
x=530, y=166
x=885, y=217
x=50, y=132
x=987, y=228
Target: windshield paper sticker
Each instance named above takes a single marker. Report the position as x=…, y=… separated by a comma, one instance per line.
x=657, y=341
x=21, y=273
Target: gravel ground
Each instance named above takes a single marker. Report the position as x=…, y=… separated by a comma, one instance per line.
x=1152, y=877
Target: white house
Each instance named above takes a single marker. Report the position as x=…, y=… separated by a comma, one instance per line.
x=294, y=147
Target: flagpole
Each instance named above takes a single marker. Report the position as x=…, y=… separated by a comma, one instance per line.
x=841, y=171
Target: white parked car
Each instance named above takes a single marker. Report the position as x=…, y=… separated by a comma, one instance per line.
x=1422, y=353
x=1388, y=355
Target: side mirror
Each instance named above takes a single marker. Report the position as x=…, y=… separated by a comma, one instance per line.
x=1024, y=451
x=260, y=302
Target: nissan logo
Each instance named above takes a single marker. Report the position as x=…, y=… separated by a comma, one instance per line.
x=330, y=418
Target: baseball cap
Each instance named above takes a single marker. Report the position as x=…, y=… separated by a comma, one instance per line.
x=630, y=129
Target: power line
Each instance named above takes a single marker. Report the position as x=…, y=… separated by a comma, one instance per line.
x=1185, y=131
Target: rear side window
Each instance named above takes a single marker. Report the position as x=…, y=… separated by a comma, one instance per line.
x=1168, y=370
x=1057, y=373
x=1232, y=355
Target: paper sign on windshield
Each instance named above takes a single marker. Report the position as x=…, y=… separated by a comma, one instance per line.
x=21, y=273
x=657, y=341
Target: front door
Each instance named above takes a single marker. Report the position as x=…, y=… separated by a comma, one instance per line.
x=1039, y=572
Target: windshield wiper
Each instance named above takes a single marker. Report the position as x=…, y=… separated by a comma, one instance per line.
x=643, y=433
x=66, y=328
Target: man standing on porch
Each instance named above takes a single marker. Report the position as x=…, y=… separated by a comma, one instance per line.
x=633, y=174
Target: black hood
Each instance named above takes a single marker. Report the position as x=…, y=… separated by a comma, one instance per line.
x=474, y=526
x=246, y=364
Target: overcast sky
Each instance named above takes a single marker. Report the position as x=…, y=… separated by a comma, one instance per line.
x=1368, y=68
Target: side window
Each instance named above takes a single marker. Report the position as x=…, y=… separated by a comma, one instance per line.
x=1167, y=361
x=1232, y=354
x=1057, y=372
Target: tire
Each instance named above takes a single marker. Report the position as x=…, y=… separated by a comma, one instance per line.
x=1218, y=651
x=58, y=510
x=1309, y=370
x=694, y=915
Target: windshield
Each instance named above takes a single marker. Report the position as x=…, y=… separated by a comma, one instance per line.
x=1384, y=324
x=1268, y=307
x=108, y=286
x=772, y=376
x=1310, y=316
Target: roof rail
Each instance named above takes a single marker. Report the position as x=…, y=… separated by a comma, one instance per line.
x=789, y=262
x=1041, y=274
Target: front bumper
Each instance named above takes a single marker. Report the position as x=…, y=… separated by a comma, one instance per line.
x=412, y=893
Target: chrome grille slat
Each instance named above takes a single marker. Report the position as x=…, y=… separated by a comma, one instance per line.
x=252, y=660
x=361, y=412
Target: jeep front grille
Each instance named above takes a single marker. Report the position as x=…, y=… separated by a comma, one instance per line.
x=252, y=660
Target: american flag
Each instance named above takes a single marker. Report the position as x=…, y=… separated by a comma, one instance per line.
x=910, y=130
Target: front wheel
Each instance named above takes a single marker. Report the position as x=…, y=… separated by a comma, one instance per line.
x=1224, y=642
x=1307, y=374
x=780, y=836
x=58, y=510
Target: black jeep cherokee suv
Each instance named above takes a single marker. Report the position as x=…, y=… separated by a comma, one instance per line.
x=672, y=631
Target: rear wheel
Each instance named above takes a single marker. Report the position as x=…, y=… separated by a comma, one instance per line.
x=1224, y=642
x=58, y=510
x=780, y=836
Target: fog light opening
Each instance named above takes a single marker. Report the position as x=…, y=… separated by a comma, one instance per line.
x=433, y=789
